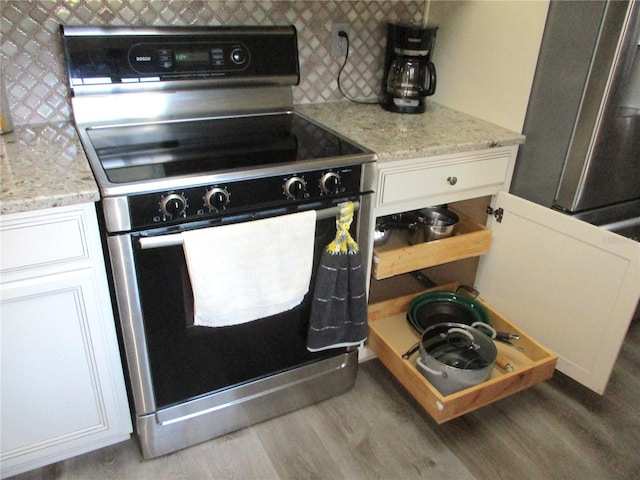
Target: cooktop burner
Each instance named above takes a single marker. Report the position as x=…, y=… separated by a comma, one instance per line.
x=160, y=150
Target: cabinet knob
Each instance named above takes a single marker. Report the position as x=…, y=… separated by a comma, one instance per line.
x=452, y=180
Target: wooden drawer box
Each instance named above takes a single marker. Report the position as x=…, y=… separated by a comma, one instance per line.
x=397, y=256
x=391, y=335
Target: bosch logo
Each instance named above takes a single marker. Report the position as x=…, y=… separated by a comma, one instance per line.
x=143, y=59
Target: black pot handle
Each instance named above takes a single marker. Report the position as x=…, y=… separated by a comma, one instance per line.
x=470, y=289
x=414, y=348
x=384, y=226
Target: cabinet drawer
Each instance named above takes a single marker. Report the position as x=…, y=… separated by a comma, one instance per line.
x=38, y=240
x=431, y=178
x=390, y=336
x=397, y=257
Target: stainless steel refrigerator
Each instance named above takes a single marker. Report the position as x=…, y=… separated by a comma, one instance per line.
x=582, y=153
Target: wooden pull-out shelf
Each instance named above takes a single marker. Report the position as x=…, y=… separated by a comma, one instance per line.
x=397, y=256
x=391, y=335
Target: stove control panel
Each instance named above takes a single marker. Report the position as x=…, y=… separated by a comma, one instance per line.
x=150, y=58
x=131, y=59
x=208, y=201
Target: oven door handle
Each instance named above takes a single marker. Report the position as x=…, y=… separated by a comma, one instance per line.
x=175, y=239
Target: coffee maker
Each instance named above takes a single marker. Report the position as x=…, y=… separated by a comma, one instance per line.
x=409, y=74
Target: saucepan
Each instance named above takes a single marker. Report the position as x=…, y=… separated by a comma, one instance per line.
x=424, y=225
x=380, y=237
x=454, y=356
x=432, y=223
x=384, y=225
x=382, y=231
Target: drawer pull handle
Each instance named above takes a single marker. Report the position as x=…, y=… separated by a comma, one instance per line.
x=452, y=180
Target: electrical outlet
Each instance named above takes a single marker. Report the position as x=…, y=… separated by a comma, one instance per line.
x=338, y=43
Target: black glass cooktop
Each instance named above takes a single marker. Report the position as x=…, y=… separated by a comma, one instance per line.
x=154, y=151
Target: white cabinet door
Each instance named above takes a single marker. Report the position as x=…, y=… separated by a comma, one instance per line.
x=61, y=387
x=62, y=390
x=572, y=286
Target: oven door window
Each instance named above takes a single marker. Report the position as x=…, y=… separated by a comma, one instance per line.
x=186, y=361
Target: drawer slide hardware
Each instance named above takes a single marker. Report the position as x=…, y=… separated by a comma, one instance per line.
x=498, y=213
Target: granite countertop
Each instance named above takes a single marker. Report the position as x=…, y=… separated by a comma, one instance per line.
x=438, y=131
x=45, y=166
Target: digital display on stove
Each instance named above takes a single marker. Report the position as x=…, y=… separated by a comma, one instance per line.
x=192, y=57
x=156, y=151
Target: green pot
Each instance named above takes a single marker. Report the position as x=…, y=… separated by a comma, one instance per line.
x=432, y=308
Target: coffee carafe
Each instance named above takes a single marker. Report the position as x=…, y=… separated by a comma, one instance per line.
x=409, y=73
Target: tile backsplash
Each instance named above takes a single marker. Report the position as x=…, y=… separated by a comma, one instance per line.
x=33, y=65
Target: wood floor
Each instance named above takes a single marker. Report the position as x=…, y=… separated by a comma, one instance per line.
x=557, y=430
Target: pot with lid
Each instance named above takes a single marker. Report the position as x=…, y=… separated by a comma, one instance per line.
x=454, y=356
x=424, y=225
x=433, y=223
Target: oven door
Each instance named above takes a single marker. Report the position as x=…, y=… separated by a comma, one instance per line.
x=171, y=362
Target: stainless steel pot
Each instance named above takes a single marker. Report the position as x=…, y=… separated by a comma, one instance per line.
x=384, y=225
x=454, y=356
x=381, y=235
x=432, y=223
x=422, y=225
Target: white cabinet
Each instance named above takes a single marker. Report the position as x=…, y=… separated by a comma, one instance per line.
x=412, y=184
x=571, y=288
x=62, y=390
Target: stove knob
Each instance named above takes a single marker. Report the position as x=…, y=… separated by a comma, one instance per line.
x=295, y=188
x=217, y=198
x=173, y=204
x=330, y=182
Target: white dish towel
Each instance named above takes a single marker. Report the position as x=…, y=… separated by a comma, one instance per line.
x=250, y=270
